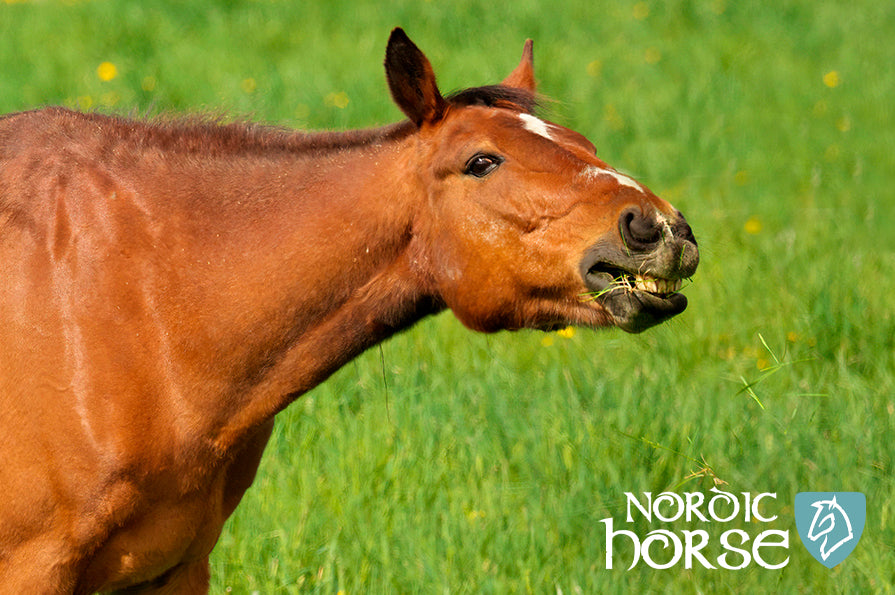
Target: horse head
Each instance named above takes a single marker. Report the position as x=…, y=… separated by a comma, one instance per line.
x=525, y=226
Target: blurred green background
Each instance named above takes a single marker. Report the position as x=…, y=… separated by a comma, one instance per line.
x=447, y=461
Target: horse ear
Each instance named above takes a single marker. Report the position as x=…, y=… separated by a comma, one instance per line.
x=411, y=80
x=523, y=77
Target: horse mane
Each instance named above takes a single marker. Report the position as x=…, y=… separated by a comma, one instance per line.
x=213, y=134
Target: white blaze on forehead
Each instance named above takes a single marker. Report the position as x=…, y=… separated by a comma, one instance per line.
x=593, y=171
x=542, y=128
x=536, y=125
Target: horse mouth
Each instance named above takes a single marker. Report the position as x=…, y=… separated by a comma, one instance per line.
x=636, y=301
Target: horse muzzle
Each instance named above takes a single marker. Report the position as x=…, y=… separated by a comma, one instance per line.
x=636, y=274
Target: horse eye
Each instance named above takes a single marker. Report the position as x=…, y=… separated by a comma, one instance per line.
x=482, y=165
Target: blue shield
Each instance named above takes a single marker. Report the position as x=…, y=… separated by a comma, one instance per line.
x=830, y=523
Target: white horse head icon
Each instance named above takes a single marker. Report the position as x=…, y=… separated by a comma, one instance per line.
x=832, y=524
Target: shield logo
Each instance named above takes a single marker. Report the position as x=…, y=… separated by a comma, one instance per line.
x=830, y=523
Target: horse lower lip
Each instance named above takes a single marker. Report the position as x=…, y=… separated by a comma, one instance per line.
x=635, y=311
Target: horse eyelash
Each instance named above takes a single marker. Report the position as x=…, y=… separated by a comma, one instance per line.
x=496, y=162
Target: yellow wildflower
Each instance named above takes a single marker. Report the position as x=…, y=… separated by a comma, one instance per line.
x=831, y=79
x=106, y=71
x=753, y=225
x=337, y=99
x=248, y=85
x=595, y=67
x=567, y=332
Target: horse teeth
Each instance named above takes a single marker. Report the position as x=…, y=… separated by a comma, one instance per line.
x=644, y=284
x=661, y=286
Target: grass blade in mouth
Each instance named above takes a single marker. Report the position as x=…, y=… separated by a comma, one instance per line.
x=629, y=283
x=622, y=282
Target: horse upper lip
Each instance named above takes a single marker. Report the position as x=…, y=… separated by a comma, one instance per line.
x=659, y=270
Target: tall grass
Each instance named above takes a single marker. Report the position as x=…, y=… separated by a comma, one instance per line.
x=446, y=461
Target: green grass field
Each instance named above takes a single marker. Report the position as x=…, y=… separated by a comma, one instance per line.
x=451, y=462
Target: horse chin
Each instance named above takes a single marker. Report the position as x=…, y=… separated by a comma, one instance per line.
x=635, y=311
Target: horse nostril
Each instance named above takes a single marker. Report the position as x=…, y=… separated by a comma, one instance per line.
x=637, y=230
x=683, y=230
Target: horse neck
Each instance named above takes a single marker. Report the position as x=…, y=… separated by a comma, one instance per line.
x=319, y=265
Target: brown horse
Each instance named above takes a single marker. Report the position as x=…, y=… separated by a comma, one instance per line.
x=168, y=287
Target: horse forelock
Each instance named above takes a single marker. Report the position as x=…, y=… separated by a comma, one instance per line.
x=496, y=96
